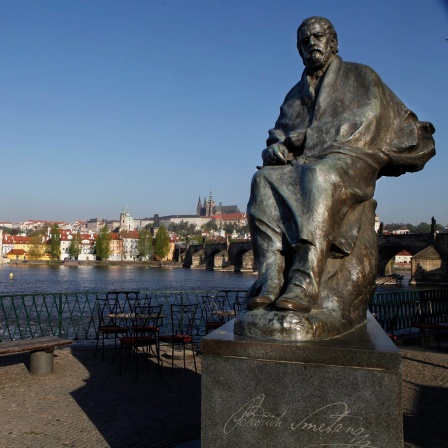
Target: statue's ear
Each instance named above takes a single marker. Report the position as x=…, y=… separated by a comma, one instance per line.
x=299, y=50
x=334, y=43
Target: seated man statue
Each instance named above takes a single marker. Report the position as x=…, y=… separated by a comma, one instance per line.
x=340, y=128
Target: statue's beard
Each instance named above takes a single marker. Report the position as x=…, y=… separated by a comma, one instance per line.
x=317, y=58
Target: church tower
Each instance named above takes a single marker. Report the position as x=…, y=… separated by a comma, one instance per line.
x=210, y=210
x=199, y=207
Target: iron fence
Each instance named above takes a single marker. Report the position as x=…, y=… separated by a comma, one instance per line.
x=410, y=306
x=74, y=315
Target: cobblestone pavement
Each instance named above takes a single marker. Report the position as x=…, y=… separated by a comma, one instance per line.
x=86, y=402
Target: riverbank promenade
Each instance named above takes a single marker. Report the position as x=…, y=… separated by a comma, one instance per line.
x=86, y=402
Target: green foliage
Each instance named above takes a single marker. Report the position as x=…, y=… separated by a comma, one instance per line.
x=103, y=244
x=211, y=225
x=161, y=243
x=37, y=248
x=183, y=229
x=75, y=246
x=14, y=231
x=55, y=242
x=144, y=244
x=229, y=228
x=423, y=227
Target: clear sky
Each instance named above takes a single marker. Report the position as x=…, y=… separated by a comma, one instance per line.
x=146, y=105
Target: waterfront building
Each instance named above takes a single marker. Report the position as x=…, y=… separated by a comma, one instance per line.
x=87, y=246
x=17, y=254
x=7, y=243
x=129, y=242
x=116, y=247
x=428, y=266
x=403, y=258
x=66, y=241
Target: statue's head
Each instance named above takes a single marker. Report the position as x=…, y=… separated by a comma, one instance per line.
x=317, y=41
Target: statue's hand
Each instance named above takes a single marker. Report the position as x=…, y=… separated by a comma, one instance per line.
x=295, y=140
x=275, y=155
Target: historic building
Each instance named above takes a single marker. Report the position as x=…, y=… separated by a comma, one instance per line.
x=208, y=208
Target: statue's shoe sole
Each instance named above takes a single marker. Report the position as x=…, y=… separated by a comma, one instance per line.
x=293, y=305
x=258, y=302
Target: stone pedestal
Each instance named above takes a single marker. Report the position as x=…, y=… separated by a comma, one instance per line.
x=344, y=391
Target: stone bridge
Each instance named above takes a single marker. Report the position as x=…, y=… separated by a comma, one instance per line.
x=238, y=254
x=235, y=256
x=391, y=245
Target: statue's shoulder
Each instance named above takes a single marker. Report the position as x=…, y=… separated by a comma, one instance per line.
x=295, y=92
x=359, y=70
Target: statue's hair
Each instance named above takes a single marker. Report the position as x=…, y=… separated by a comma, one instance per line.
x=328, y=27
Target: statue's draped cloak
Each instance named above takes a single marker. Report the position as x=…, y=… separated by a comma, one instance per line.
x=356, y=130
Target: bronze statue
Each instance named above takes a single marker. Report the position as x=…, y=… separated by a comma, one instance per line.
x=311, y=211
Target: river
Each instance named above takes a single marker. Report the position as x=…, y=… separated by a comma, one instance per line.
x=58, y=278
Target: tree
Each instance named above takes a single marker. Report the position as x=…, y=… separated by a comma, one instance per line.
x=37, y=248
x=144, y=243
x=423, y=227
x=229, y=228
x=209, y=226
x=103, y=244
x=75, y=246
x=55, y=242
x=162, y=243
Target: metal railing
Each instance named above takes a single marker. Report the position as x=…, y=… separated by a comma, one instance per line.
x=411, y=306
x=74, y=315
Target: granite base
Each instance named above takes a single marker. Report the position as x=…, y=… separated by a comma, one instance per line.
x=344, y=391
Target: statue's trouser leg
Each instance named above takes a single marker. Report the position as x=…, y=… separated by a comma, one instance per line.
x=308, y=204
x=266, y=234
x=326, y=191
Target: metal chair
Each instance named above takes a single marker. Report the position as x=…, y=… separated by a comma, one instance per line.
x=109, y=311
x=182, y=321
x=427, y=323
x=144, y=335
x=211, y=306
x=387, y=316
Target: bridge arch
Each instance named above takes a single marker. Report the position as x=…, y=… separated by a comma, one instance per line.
x=391, y=245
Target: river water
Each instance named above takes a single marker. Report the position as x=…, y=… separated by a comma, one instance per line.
x=58, y=278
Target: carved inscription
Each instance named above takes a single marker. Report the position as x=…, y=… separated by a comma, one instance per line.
x=335, y=420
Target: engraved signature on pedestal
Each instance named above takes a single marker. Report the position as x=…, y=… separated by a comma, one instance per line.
x=333, y=419
x=252, y=414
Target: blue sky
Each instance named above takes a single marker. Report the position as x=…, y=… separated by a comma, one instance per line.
x=148, y=104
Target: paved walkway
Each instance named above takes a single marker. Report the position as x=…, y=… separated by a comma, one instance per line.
x=87, y=403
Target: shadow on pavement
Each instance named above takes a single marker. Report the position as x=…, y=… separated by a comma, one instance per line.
x=147, y=412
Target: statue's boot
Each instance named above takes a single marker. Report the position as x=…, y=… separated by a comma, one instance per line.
x=303, y=281
x=270, y=274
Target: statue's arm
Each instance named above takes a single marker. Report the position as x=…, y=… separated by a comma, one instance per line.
x=276, y=152
x=284, y=144
x=282, y=148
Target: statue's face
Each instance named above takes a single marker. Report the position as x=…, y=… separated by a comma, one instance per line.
x=315, y=45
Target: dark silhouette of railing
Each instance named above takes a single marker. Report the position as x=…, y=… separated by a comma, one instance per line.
x=409, y=306
x=73, y=315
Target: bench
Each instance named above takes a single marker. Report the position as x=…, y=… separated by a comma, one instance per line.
x=41, y=351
